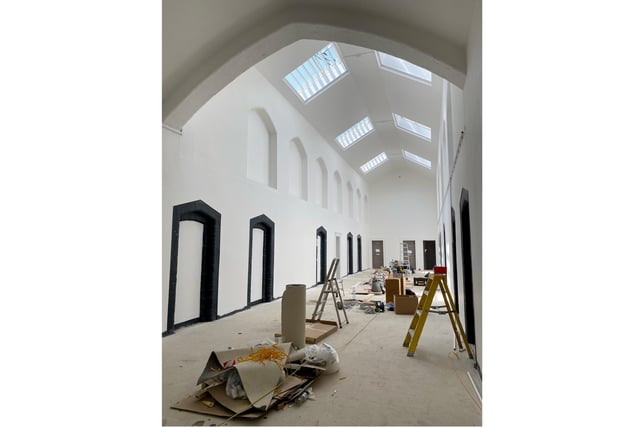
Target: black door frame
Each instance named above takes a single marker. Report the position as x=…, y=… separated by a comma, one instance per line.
x=359, y=239
x=349, y=253
x=200, y=212
x=322, y=233
x=264, y=223
x=454, y=254
x=467, y=277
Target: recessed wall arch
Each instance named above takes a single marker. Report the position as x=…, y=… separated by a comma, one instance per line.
x=298, y=170
x=200, y=212
x=268, y=228
x=358, y=205
x=337, y=181
x=350, y=199
x=262, y=148
x=322, y=196
x=190, y=88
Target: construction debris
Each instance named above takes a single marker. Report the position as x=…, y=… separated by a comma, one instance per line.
x=248, y=382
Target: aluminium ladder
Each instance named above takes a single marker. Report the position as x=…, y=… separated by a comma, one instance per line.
x=330, y=287
x=435, y=281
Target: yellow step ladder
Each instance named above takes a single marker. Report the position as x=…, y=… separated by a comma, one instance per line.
x=435, y=281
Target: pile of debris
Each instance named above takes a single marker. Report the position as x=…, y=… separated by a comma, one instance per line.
x=250, y=381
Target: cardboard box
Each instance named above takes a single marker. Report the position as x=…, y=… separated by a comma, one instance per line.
x=392, y=287
x=316, y=330
x=405, y=304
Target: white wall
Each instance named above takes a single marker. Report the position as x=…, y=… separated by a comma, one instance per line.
x=401, y=209
x=464, y=110
x=209, y=162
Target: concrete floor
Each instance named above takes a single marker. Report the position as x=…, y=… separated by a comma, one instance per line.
x=377, y=383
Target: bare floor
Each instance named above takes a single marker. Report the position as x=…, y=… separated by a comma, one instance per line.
x=377, y=383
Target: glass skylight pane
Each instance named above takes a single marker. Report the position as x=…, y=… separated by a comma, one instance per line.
x=415, y=128
x=355, y=133
x=316, y=73
x=374, y=163
x=416, y=159
x=403, y=67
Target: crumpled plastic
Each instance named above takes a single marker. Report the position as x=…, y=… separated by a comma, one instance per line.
x=323, y=356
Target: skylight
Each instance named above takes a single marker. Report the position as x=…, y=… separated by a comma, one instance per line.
x=404, y=68
x=355, y=133
x=416, y=159
x=374, y=163
x=316, y=73
x=414, y=128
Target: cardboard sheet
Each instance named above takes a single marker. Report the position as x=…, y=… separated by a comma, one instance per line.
x=294, y=311
x=192, y=404
x=259, y=379
x=224, y=406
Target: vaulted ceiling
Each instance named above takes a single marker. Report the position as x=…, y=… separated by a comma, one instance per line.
x=366, y=91
x=196, y=32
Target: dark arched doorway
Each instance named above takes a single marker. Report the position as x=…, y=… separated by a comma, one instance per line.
x=321, y=255
x=454, y=255
x=359, y=253
x=263, y=227
x=349, y=253
x=467, y=277
x=200, y=212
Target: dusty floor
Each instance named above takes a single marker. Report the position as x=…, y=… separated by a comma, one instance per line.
x=377, y=383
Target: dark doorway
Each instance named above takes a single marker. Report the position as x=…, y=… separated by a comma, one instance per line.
x=359, y=253
x=467, y=277
x=454, y=255
x=410, y=247
x=377, y=254
x=349, y=253
x=200, y=212
x=429, y=254
x=266, y=233
x=444, y=245
x=321, y=255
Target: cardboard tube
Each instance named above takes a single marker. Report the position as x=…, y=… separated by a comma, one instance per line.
x=294, y=311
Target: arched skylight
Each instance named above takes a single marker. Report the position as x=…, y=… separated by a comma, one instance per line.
x=355, y=133
x=414, y=128
x=316, y=73
x=374, y=163
x=404, y=68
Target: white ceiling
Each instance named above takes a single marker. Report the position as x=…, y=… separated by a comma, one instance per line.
x=370, y=91
x=199, y=36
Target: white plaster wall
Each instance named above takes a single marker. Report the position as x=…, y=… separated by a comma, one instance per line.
x=401, y=209
x=209, y=162
x=464, y=111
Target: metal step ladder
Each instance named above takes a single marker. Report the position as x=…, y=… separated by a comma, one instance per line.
x=330, y=287
x=436, y=280
x=406, y=258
